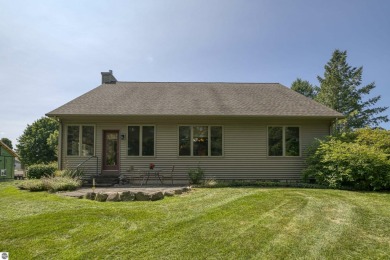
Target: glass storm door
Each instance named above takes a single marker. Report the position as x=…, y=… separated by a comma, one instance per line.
x=111, y=150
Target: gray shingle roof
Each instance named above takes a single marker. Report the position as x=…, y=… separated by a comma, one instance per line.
x=181, y=98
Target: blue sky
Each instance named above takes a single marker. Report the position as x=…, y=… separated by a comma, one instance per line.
x=53, y=51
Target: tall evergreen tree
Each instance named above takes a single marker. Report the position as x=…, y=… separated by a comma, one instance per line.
x=340, y=89
x=304, y=87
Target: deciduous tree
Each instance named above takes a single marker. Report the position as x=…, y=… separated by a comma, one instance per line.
x=304, y=87
x=7, y=142
x=35, y=144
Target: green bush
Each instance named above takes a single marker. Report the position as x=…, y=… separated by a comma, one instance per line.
x=359, y=160
x=72, y=173
x=32, y=185
x=378, y=138
x=37, y=171
x=54, y=184
x=195, y=175
x=51, y=184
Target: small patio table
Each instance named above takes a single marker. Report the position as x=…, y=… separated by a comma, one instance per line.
x=148, y=172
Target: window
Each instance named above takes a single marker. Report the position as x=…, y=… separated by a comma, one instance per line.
x=140, y=141
x=200, y=141
x=86, y=134
x=283, y=141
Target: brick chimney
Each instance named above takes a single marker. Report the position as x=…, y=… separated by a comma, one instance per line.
x=108, y=78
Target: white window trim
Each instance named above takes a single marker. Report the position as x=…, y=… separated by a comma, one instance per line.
x=140, y=141
x=80, y=139
x=284, y=141
x=192, y=142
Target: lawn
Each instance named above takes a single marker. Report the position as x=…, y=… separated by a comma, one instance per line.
x=219, y=223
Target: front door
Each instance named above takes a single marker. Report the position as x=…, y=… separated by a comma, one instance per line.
x=111, y=150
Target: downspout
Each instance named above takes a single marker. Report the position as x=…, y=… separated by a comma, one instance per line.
x=60, y=146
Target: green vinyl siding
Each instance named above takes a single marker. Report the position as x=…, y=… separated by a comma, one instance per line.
x=7, y=164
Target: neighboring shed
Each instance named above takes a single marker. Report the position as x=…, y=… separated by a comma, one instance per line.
x=7, y=162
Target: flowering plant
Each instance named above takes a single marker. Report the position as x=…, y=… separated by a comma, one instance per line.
x=151, y=166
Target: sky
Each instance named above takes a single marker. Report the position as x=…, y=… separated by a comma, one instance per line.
x=54, y=51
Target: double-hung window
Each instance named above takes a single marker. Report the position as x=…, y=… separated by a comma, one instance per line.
x=80, y=140
x=140, y=140
x=200, y=141
x=283, y=141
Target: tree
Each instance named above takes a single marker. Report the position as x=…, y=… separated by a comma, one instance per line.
x=305, y=88
x=52, y=141
x=34, y=144
x=7, y=142
x=340, y=90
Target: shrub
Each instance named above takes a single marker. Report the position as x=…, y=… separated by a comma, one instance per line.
x=37, y=171
x=32, y=185
x=51, y=184
x=195, y=175
x=72, y=173
x=378, y=138
x=357, y=160
x=54, y=184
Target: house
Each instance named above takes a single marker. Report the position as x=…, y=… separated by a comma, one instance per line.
x=7, y=162
x=240, y=131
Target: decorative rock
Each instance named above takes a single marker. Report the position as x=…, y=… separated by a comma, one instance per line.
x=142, y=196
x=186, y=189
x=169, y=193
x=113, y=197
x=101, y=197
x=127, y=196
x=90, y=195
x=157, y=196
x=178, y=191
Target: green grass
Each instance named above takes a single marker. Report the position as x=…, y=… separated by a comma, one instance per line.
x=217, y=223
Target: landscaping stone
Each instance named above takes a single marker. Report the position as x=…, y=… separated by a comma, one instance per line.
x=186, y=189
x=142, y=196
x=169, y=193
x=101, y=197
x=127, y=196
x=113, y=197
x=178, y=192
x=90, y=196
x=123, y=193
x=157, y=196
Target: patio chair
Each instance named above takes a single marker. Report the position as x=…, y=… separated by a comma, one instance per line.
x=170, y=174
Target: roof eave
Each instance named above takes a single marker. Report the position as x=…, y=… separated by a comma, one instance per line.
x=214, y=115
